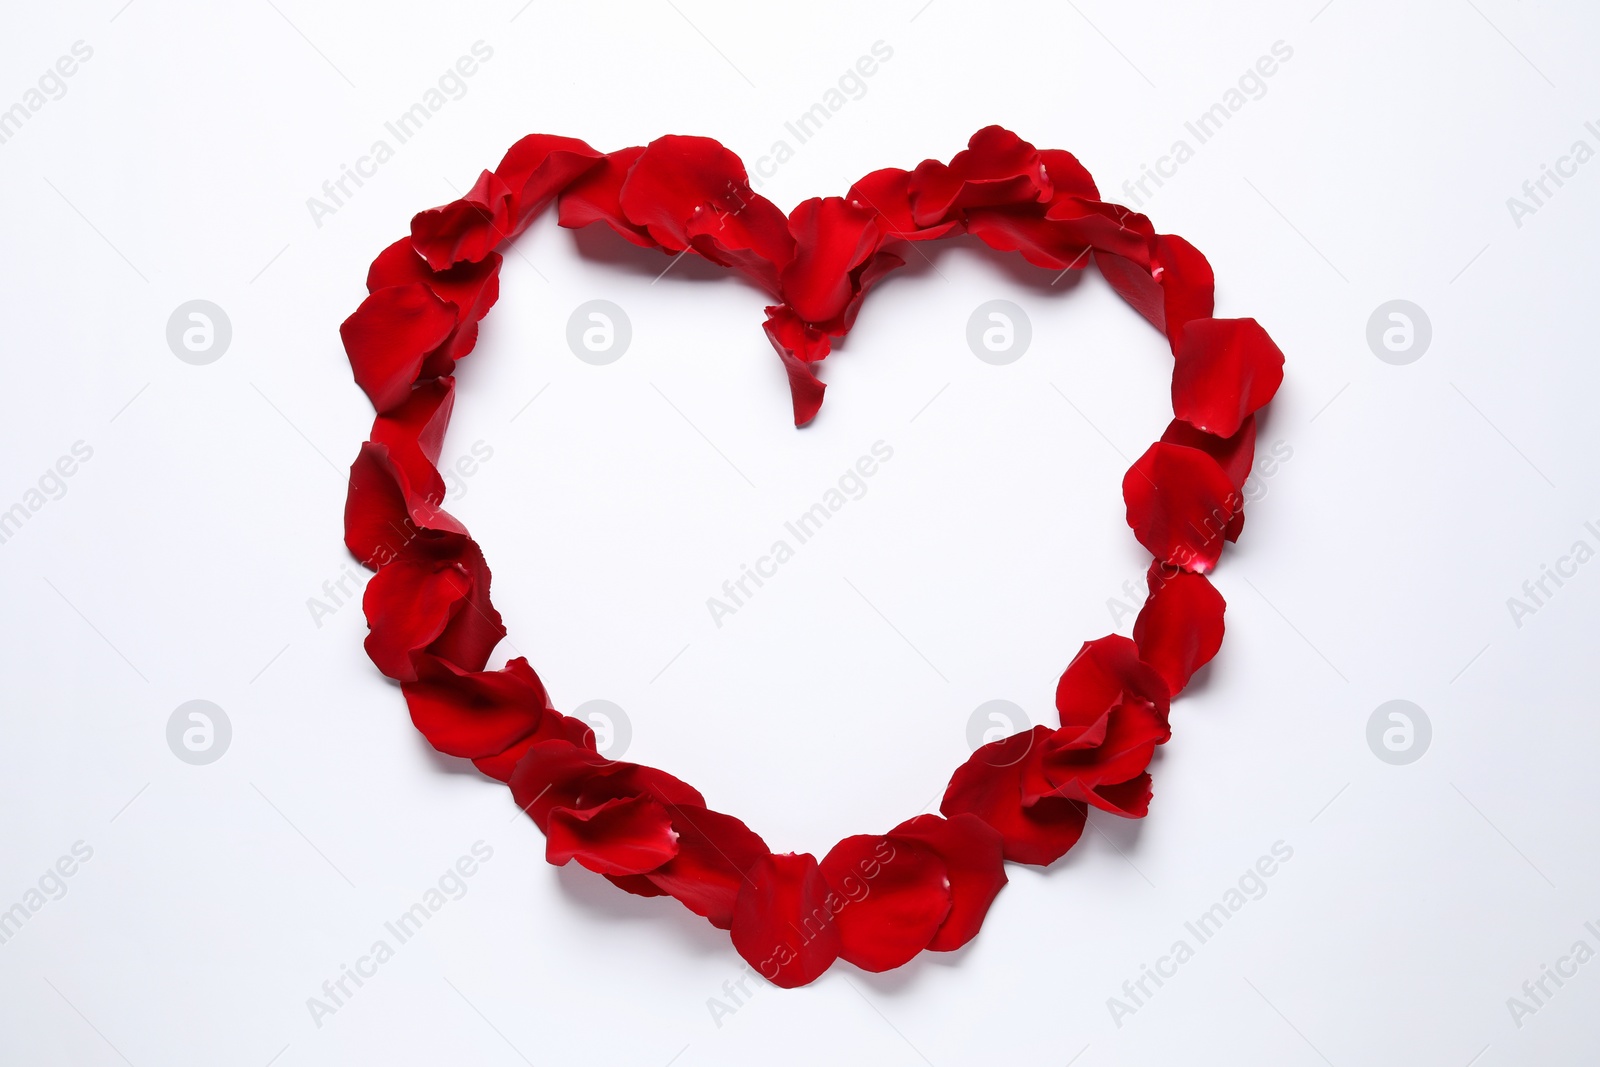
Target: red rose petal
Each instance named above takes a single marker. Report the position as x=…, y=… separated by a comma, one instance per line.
x=973, y=857
x=596, y=197
x=714, y=852
x=1180, y=626
x=475, y=714
x=783, y=922
x=553, y=726
x=1175, y=288
x=832, y=238
x=888, y=193
x=627, y=835
x=1225, y=370
x=537, y=168
x=389, y=335
x=465, y=230
x=990, y=786
x=1105, y=674
x=799, y=345
x=409, y=603
x=1180, y=504
x=896, y=896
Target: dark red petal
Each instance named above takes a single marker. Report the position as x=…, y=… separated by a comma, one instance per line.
x=464, y=230
x=832, y=238
x=1174, y=289
x=1180, y=504
x=475, y=627
x=408, y=604
x=888, y=193
x=1180, y=627
x=384, y=515
x=471, y=287
x=691, y=191
x=595, y=198
x=388, y=336
x=1225, y=370
x=896, y=896
x=973, y=857
x=990, y=786
x=413, y=434
x=1067, y=176
x=714, y=852
x=537, y=168
x=553, y=726
x=783, y=921
x=627, y=835
x=997, y=168
x=1104, y=227
x=1105, y=674
x=799, y=346
x=1235, y=455
x=475, y=714
x=561, y=773
x=1025, y=229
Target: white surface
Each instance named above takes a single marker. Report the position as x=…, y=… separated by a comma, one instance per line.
x=178, y=563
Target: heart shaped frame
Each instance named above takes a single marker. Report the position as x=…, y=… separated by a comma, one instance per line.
x=874, y=900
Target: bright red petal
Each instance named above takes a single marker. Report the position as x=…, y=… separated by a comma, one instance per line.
x=783, y=922
x=896, y=896
x=627, y=835
x=1180, y=627
x=1225, y=370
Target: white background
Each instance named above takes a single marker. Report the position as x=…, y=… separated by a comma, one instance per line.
x=179, y=562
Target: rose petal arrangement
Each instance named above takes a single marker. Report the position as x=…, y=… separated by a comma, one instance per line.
x=873, y=900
